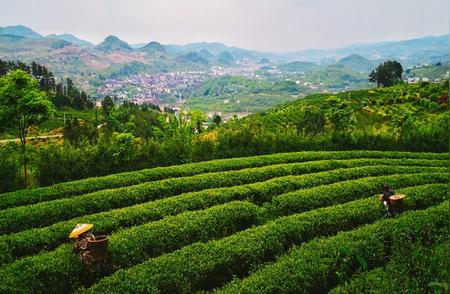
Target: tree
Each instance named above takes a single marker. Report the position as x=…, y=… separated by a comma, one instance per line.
x=387, y=73
x=107, y=106
x=22, y=105
x=76, y=132
x=196, y=120
x=340, y=113
x=217, y=119
x=312, y=122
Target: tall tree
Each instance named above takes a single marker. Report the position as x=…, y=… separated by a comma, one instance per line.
x=387, y=74
x=107, y=106
x=217, y=119
x=22, y=104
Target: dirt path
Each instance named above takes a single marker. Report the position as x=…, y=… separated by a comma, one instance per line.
x=31, y=138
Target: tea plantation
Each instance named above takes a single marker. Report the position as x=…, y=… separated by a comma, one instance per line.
x=283, y=223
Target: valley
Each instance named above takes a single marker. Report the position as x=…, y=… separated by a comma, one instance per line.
x=174, y=76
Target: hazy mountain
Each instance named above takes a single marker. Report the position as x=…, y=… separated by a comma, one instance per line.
x=21, y=31
x=112, y=43
x=59, y=44
x=10, y=39
x=409, y=52
x=218, y=48
x=205, y=54
x=213, y=48
x=430, y=49
x=153, y=47
x=67, y=53
x=298, y=66
x=192, y=57
x=437, y=44
x=137, y=46
x=72, y=39
x=225, y=58
x=418, y=50
x=358, y=63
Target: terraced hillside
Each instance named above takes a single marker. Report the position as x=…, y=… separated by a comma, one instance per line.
x=282, y=223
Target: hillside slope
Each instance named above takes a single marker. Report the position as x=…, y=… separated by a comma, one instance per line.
x=402, y=117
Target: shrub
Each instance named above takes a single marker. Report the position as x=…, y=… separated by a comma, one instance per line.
x=34, y=240
x=62, y=190
x=60, y=271
x=415, y=267
x=45, y=213
x=10, y=168
x=321, y=264
x=206, y=266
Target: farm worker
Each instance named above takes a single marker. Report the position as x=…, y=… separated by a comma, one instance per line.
x=384, y=198
x=81, y=235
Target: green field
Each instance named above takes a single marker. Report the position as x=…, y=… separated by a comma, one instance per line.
x=239, y=103
x=281, y=223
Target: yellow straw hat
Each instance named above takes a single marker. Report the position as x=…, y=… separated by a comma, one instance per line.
x=80, y=229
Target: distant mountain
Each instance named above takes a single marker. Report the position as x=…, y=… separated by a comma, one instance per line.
x=213, y=48
x=298, y=66
x=7, y=38
x=112, y=43
x=218, y=48
x=137, y=46
x=72, y=39
x=192, y=57
x=153, y=47
x=358, y=63
x=21, y=31
x=408, y=52
x=225, y=58
x=66, y=53
x=59, y=44
x=205, y=54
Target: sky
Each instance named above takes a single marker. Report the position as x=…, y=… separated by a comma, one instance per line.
x=265, y=25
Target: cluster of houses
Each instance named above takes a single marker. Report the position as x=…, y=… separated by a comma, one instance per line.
x=151, y=88
x=156, y=88
x=246, y=69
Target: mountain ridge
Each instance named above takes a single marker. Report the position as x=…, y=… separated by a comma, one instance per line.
x=113, y=43
x=153, y=46
x=72, y=39
x=21, y=31
x=358, y=63
x=425, y=49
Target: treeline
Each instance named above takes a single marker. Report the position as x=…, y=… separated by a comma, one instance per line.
x=66, y=94
x=45, y=77
x=89, y=151
x=62, y=94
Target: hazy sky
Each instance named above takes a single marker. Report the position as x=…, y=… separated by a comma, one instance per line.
x=269, y=25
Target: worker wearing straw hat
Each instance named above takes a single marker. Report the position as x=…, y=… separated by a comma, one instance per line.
x=81, y=235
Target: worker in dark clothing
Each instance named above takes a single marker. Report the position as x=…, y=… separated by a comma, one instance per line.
x=91, y=249
x=384, y=198
x=81, y=235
